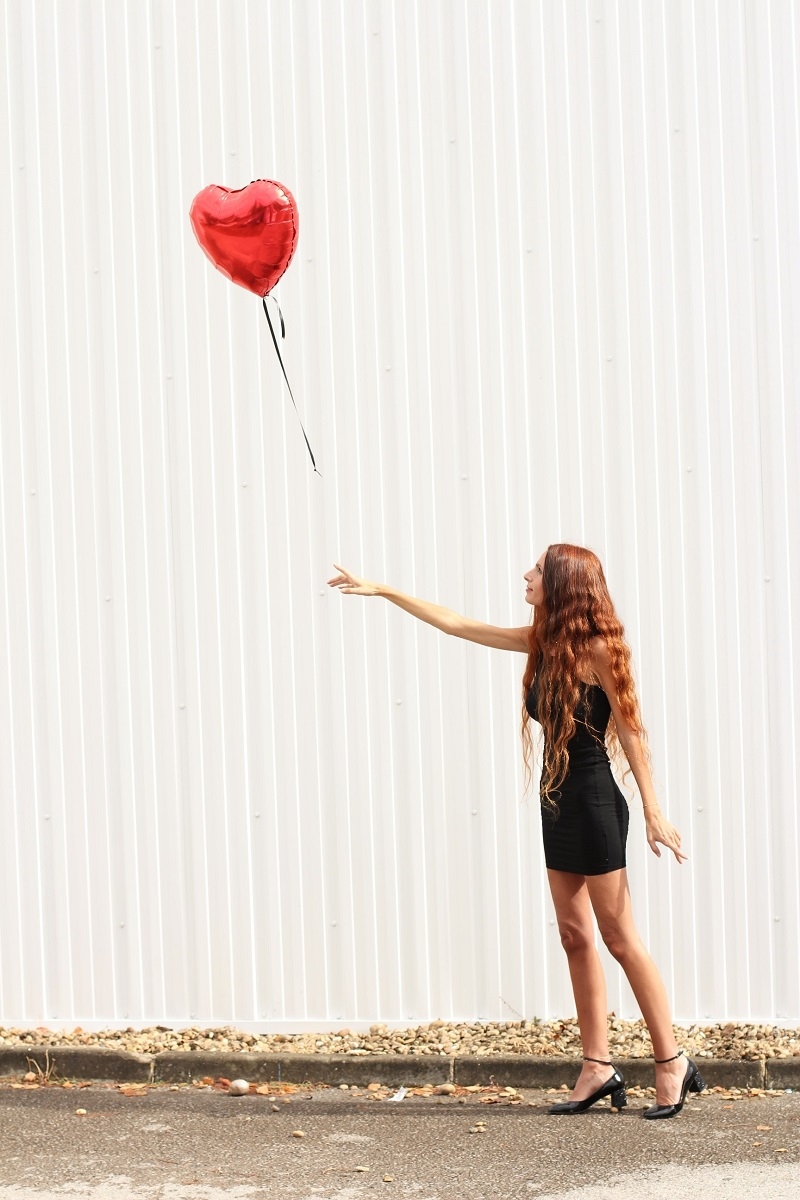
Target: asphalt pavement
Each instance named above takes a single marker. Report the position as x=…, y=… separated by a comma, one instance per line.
x=175, y=1144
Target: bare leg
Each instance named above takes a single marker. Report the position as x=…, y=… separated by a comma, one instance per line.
x=611, y=901
x=574, y=915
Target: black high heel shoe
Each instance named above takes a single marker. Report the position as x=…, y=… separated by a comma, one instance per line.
x=692, y=1082
x=613, y=1087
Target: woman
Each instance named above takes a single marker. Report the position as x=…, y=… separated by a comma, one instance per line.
x=578, y=686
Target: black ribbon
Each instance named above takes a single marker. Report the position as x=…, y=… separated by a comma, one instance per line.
x=283, y=368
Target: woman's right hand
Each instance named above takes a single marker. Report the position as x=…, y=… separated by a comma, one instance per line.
x=352, y=585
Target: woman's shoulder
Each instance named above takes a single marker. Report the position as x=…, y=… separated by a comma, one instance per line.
x=599, y=652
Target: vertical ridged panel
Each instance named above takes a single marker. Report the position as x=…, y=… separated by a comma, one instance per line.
x=546, y=288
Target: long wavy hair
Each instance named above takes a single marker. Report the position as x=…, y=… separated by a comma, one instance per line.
x=575, y=609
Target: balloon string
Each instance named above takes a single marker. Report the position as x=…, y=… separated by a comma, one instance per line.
x=285, y=376
x=280, y=314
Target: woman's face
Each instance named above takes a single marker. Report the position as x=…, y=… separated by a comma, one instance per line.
x=534, y=593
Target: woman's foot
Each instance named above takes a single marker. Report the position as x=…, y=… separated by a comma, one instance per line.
x=593, y=1086
x=691, y=1081
x=669, y=1080
x=593, y=1075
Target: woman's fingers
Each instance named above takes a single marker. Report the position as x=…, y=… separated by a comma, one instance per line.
x=344, y=577
x=350, y=584
x=345, y=574
x=668, y=836
x=673, y=843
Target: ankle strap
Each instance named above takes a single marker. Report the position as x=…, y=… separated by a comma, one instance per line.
x=605, y=1061
x=666, y=1060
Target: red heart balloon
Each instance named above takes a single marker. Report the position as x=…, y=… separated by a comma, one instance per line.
x=249, y=234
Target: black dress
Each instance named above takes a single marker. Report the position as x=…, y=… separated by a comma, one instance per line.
x=586, y=835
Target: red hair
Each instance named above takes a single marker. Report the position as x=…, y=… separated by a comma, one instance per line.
x=576, y=609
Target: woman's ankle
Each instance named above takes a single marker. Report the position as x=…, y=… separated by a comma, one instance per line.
x=665, y=1057
x=596, y=1062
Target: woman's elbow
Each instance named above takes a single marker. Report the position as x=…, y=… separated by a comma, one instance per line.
x=630, y=741
x=452, y=624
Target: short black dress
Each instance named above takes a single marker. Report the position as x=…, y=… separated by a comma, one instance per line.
x=587, y=833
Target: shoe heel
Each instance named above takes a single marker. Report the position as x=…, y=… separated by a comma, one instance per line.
x=698, y=1083
x=619, y=1098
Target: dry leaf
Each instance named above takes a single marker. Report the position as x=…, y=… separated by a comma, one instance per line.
x=263, y=1089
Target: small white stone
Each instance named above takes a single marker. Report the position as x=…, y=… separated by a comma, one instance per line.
x=238, y=1087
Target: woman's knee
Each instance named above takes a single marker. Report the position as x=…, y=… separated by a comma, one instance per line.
x=621, y=942
x=575, y=937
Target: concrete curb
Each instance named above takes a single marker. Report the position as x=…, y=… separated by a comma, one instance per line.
x=77, y=1062
x=783, y=1072
x=393, y=1070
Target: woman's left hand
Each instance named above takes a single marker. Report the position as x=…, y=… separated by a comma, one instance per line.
x=660, y=830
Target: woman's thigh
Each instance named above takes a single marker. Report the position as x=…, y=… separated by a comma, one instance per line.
x=611, y=900
x=572, y=903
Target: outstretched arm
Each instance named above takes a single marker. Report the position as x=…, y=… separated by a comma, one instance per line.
x=434, y=614
x=658, y=827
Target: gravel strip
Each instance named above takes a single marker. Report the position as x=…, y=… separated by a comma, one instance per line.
x=627, y=1039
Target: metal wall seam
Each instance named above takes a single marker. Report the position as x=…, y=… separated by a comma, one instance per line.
x=397, y=976
x=345, y=907
x=786, y=697
x=23, y=537
x=269, y=1001
x=516, y=39
x=795, y=45
x=440, y=958
x=370, y=840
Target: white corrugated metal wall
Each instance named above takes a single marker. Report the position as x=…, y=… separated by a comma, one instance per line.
x=547, y=288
